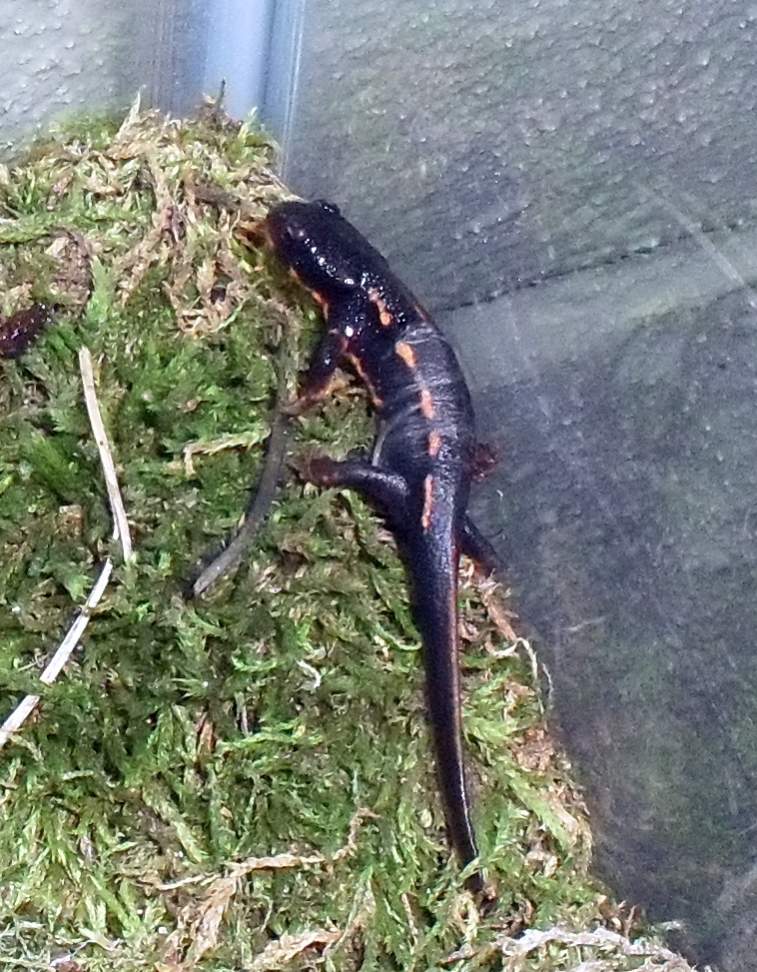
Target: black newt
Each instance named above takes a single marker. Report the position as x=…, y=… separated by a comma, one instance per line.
x=419, y=475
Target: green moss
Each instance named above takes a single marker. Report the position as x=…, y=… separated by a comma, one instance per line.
x=283, y=716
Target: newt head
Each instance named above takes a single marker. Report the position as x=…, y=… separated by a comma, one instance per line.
x=325, y=252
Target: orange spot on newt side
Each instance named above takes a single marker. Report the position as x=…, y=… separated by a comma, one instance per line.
x=317, y=297
x=427, y=405
x=428, y=501
x=384, y=315
x=403, y=349
x=434, y=444
x=320, y=300
x=362, y=374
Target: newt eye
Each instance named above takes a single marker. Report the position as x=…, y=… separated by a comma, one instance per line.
x=330, y=207
x=295, y=232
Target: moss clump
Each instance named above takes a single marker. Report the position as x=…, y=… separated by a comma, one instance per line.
x=243, y=782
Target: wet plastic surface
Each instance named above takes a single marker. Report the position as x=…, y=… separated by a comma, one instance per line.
x=568, y=185
x=65, y=58
x=483, y=145
x=623, y=403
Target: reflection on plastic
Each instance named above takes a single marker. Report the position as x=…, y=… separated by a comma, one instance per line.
x=624, y=403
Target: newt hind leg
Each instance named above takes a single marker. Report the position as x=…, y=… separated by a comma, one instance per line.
x=385, y=490
x=475, y=545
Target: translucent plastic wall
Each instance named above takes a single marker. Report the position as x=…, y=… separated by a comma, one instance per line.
x=59, y=58
x=491, y=144
x=571, y=185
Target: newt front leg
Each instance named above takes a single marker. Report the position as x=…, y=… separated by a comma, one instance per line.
x=323, y=364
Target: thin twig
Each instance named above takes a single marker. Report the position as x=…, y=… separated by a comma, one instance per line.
x=120, y=531
x=120, y=523
x=63, y=652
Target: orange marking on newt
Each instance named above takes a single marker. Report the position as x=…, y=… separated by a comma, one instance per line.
x=307, y=399
x=427, y=405
x=385, y=317
x=434, y=444
x=428, y=501
x=318, y=298
x=404, y=350
x=363, y=376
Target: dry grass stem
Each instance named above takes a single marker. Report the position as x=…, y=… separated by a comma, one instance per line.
x=120, y=523
x=120, y=530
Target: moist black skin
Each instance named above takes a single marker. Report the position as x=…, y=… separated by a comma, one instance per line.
x=419, y=474
x=21, y=329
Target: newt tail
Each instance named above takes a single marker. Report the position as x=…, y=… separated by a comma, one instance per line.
x=433, y=569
